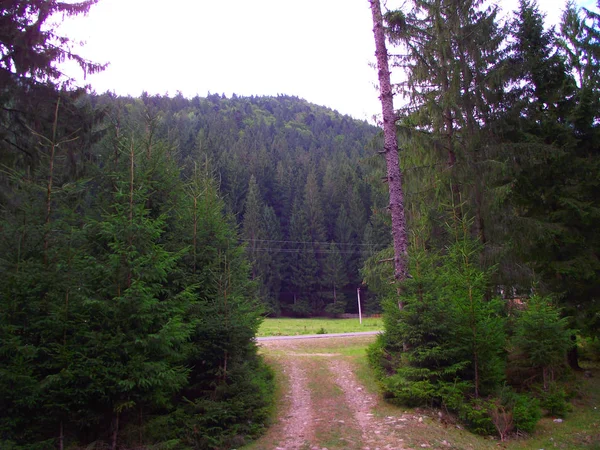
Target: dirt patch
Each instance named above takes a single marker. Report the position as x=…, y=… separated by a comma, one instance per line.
x=296, y=424
x=377, y=432
x=326, y=406
x=361, y=403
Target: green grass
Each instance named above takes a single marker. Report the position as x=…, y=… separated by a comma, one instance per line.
x=581, y=427
x=295, y=327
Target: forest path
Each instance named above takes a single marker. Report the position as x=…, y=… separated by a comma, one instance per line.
x=324, y=405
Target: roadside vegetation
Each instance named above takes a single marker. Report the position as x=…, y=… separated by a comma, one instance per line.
x=499, y=149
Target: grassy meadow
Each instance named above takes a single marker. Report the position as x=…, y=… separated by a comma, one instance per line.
x=295, y=327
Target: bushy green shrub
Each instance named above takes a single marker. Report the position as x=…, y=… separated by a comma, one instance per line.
x=337, y=308
x=301, y=308
x=590, y=349
x=525, y=409
x=543, y=338
x=376, y=351
x=526, y=413
x=379, y=357
x=476, y=414
x=403, y=391
x=502, y=415
x=555, y=400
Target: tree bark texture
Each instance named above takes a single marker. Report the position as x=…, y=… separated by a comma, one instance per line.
x=394, y=176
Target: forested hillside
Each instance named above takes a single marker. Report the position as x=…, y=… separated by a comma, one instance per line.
x=142, y=241
x=298, y=179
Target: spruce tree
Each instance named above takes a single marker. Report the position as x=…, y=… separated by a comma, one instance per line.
x=273, y=262
x=541, y=339
x=137, y=327
x=451, y=51
x=252, y=230
x=554, y=163
x=304, y=266
x=334, y=279
x=29, y=50
x=446, y=346
x=313, y=207
x=41, y=302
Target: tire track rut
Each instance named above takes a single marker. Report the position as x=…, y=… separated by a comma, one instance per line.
x=375, y=432
x=326, y=406
x=296, y=423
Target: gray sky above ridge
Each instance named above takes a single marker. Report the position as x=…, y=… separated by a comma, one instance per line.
x=319, y=50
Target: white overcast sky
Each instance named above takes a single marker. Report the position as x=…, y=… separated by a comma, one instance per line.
x=319, y=50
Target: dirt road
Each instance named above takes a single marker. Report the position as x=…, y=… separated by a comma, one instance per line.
x=325, y=406
x=328, y=400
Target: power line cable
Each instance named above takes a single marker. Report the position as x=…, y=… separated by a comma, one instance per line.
x=312, y=242
x=306, y=250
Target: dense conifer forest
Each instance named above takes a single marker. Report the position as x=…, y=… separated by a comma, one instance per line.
x=297, y=179
x=142, y=240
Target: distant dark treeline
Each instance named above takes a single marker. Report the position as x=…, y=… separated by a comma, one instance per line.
x=298, y=179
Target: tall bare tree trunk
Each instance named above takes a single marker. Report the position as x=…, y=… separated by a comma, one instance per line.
x=394, y=176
